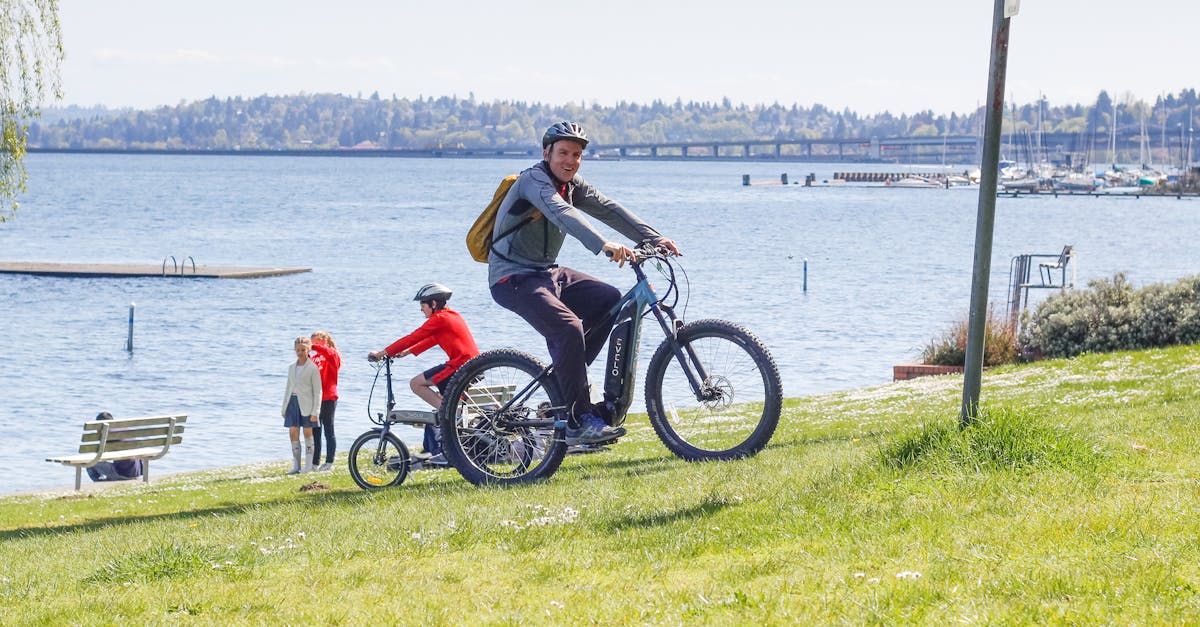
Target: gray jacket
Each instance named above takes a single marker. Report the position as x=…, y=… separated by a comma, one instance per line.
x=535, y=245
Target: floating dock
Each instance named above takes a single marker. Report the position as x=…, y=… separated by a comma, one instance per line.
x=884, y=177
x=1014, y=193
x=129, y=270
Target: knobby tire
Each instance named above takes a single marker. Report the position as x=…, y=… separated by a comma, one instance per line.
x=483, y=452
x=743, y=398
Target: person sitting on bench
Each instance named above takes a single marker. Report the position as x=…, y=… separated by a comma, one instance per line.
x=119, y=470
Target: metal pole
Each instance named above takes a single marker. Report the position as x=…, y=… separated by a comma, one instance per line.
x=806, y=274
x=985, y=222
x=129, y=341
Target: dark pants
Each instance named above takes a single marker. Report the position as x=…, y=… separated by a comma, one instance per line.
x=328, y=408
x=562, y=305
x=432, y=442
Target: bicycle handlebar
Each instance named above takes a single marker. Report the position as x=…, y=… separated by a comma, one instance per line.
x=378, y=362
x=649, y=250
x=646, y=250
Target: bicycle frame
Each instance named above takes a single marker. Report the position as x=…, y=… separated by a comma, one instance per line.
x=385, y=425
x=638, y=299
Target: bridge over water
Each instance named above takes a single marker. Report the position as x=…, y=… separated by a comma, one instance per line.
x=933, y=149
x=954, y=149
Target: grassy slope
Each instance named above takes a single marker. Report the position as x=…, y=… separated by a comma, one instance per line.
x=1074, y=502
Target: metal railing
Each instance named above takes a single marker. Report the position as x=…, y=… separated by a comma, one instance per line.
x=178, y=267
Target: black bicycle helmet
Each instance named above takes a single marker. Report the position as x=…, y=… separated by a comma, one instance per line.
x=564, y=130
x=433, y=291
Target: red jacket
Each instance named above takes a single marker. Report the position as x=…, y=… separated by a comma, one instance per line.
x=447, y=329
x=328, y=362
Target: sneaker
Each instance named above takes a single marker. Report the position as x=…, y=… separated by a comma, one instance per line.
x=421, y=456
x=437, y=461
x=326, y=467
x=592, y=430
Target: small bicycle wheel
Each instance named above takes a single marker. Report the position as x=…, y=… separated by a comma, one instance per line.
x=488, y=444
x=378, y=460
x=736, y=408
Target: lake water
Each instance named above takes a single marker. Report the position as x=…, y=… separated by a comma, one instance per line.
x=887, y=270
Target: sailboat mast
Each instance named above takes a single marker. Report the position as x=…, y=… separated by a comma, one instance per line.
x=1112, y=141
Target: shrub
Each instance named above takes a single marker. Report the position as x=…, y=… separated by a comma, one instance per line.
x=1111, y=315
x=950, y=348
x=1170, y=313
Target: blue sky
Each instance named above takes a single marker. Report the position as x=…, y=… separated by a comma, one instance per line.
x=869, y=56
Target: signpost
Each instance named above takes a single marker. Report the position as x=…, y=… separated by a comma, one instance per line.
x=985, y=222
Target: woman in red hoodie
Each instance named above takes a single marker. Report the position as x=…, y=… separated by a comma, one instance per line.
x=328, y=361
x=443, y=327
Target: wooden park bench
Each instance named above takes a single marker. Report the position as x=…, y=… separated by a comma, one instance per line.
x=143, y=438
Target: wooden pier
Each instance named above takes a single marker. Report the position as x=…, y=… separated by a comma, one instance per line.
x=127, y=270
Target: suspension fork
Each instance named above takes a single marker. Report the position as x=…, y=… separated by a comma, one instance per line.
x=684, y=354
x=670, y=324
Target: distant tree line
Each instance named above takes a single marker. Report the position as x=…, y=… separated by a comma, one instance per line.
x=330, y=121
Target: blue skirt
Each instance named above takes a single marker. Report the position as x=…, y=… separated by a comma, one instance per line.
x=292, y=417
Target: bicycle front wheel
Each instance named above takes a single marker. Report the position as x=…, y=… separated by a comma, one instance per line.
x=378, y=460
x=488, y=444
x=713, y=392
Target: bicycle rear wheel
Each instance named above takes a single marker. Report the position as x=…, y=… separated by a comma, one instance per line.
x=736, y=409
x=487, y=445
x=378, y=460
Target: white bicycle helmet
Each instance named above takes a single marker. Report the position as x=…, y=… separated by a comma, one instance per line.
x=433, y=291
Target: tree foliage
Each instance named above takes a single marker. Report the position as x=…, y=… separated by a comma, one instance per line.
x=30, y=55
x=332, y=121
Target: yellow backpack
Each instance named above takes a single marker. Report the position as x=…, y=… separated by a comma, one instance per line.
x=479, y=238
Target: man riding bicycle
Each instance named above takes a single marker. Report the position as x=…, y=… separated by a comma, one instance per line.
x=560, y=303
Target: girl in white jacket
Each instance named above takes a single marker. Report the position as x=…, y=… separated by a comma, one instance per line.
x=302, y=403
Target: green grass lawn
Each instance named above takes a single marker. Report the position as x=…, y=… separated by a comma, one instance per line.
x=1072, y=501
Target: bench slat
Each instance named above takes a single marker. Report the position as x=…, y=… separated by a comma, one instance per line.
x=134, y=422
x=125, y=445
x=82, y=460
x=490, y=394
x=131, y=434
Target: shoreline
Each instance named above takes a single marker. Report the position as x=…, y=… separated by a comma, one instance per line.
x=159, y=480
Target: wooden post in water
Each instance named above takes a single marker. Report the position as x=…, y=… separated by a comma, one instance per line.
x=985, y=222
